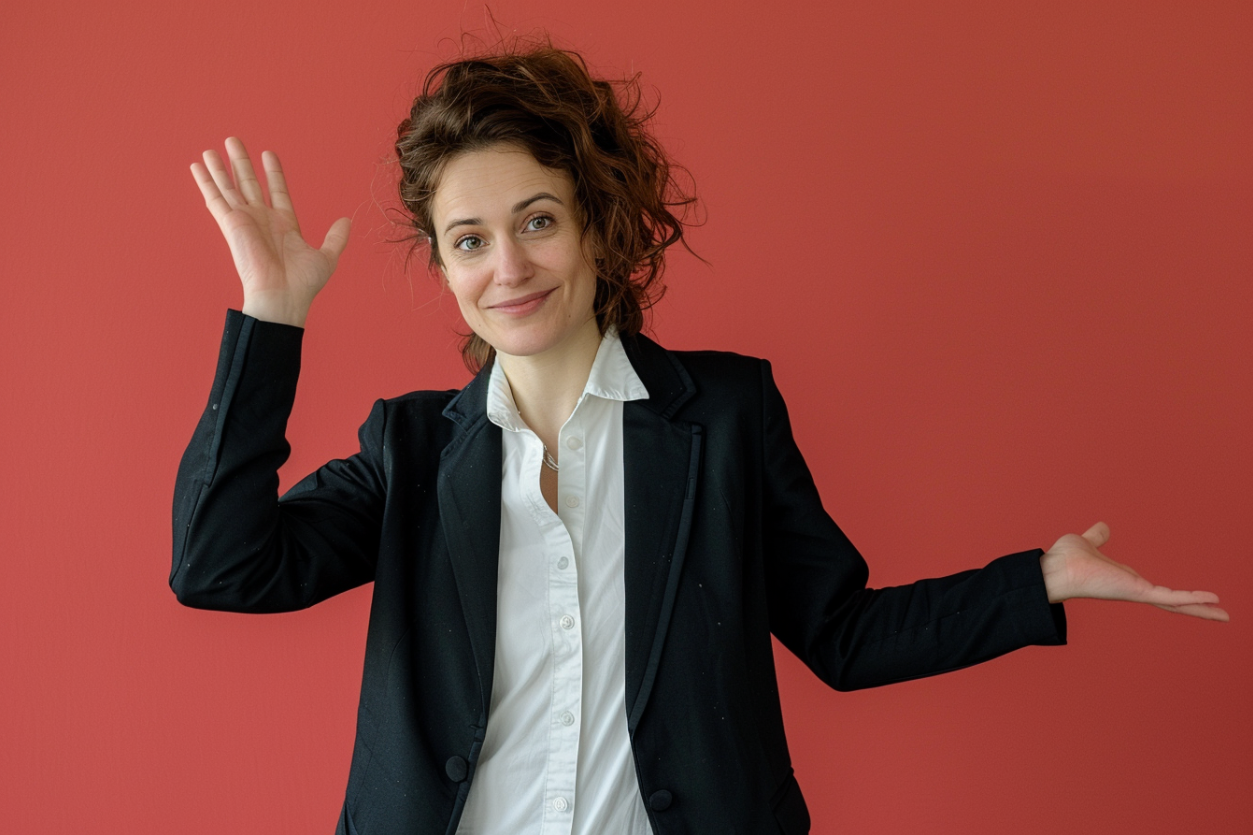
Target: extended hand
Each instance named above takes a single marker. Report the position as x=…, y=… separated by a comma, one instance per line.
x=1074, y=567
x=280, y=272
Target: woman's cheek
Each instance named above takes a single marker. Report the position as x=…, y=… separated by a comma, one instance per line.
x=467, y=285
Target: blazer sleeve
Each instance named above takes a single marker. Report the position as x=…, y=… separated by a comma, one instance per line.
x=238, y=546
x=852, y=636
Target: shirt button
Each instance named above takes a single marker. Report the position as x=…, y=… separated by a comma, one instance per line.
x=567, y=718
x=563, y=563
x=572, y=501
x=560, y=804
x=574, y=443
x=566, y=622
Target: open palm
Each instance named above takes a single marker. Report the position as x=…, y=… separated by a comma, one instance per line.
x=280, y=272
x=1074, y=567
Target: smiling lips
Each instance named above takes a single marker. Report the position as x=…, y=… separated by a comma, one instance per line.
x=523, y=304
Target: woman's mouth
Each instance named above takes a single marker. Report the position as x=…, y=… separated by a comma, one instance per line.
x=523, y=305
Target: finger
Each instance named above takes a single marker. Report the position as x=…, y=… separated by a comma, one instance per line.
x=279, y=196
x=222, y=179
x=336, y=238
x=1200, y=610
x=213, y=198
x=1163, y=596
x=1098, y=534
x=244, y=175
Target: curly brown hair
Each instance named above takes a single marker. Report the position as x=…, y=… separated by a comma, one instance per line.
x=542, y=98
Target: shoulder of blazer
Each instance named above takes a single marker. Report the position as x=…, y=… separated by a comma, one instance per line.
x=415, y=421
x=675, y=377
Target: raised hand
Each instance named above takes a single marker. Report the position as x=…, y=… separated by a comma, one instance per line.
x=280, y=272
x=1074, y=567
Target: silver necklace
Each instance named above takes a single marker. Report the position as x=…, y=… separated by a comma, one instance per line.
x=549, y=461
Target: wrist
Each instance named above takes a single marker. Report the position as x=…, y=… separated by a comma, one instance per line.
x=283, y=312
x=1053, y=567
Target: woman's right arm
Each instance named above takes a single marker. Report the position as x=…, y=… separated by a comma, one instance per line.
x=237, y=545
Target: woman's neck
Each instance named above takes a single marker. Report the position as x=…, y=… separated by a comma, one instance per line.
x=546, y=387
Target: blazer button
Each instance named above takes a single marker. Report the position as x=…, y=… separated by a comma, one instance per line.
x=660, y=800
x=455, y=768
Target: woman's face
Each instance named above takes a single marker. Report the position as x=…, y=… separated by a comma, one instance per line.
x=508, y=233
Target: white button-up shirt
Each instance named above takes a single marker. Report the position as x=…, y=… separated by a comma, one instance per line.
x=557, y=757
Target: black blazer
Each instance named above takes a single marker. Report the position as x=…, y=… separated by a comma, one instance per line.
x=727, y=542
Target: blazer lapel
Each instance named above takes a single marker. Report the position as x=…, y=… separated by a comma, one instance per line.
x=468, y=490
x=662, y=461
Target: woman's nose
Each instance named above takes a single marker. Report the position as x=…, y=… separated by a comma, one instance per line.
x=512, y=264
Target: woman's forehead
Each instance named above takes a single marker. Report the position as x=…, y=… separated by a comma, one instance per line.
x=493, y=181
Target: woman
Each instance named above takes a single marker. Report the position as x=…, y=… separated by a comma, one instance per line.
x=579, y=558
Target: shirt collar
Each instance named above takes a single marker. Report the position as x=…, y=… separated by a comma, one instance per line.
x=612, y=378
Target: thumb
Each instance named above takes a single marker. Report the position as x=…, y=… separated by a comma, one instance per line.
x=336, y=238
x=1098, y=534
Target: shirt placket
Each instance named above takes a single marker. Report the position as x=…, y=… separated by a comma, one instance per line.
x=563, y=536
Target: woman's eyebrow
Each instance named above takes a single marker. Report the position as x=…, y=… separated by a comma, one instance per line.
x=517, y=207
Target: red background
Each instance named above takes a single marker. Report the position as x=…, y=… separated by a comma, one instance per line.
x=999, y=254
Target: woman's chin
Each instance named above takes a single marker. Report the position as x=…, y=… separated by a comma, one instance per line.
x=522, y=344
x=530, y=342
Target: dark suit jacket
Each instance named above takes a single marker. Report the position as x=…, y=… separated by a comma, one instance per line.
x=727, y=542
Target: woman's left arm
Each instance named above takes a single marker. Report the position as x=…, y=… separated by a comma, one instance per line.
x=1074, y=567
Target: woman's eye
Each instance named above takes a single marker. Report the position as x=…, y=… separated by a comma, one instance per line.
x=543, y=221
x=469, y=243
